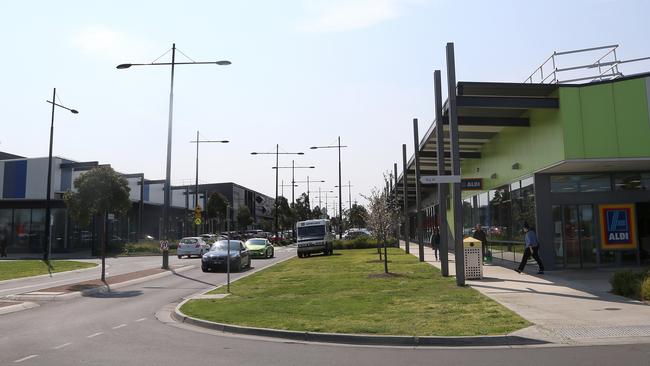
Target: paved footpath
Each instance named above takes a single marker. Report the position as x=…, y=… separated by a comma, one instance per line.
x=571, y=307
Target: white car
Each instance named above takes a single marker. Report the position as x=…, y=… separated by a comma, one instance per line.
x=192, y=246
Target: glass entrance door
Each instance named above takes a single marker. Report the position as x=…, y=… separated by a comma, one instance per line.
x=574, y=236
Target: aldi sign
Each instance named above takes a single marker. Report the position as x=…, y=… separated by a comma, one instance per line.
x=617, y=226
x=471, y=184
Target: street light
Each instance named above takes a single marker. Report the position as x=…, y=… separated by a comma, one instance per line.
x=277, y=153
x=293, y=168
x=338, y=146
x=349, y=187
x=308, y=181
x=196, y=183
x=167, y=188
x=47, y=245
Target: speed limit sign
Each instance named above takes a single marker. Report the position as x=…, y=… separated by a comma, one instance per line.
x=164, y=245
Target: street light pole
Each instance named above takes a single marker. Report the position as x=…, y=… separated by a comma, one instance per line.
x=47, y=245
x=339, y=146
x=168, y=167
x=196, y=182
x=293, y=183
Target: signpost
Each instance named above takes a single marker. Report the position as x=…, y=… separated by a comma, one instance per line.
x=164, y=245
x=439, y=179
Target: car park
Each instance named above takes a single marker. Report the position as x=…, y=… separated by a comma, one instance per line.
x=219, y=255
x=192, y=246
x=260, y=248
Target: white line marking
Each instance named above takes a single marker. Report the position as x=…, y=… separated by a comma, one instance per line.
x=62, y=345
x=94, y=335
x=141, y=319
x=119, y=326
x=26, y=358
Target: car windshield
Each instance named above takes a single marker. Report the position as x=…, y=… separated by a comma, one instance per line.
x=188, y=241
x=316, y=230
x=223, y=245
x=256, y=242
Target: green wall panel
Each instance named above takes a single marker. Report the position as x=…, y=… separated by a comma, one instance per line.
x=571, y=116
x=632, y=122
x=599, y=130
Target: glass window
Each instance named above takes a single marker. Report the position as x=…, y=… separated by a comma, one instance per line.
x=580, y=183
x=37, y=230
x=6, y=217
x=22, y=217
x=500, y=213
x=632, y=182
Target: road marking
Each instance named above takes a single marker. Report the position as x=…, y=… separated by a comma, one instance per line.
x=141, y=319
x=95, y=335
x=26, y=358
x=119, y=326
x=62, y=345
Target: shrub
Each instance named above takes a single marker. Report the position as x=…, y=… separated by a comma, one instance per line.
x=627, y=283
x=363, y=242
x=645, y=288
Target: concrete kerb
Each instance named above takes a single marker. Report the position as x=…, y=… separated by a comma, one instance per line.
x=351, y=339
x=100, y=289
x=18, y=307
x=53, y=274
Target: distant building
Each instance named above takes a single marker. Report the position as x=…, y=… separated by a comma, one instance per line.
x=23, y=183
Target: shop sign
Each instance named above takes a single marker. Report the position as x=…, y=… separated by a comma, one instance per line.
x=471, y=184
x=617, y=226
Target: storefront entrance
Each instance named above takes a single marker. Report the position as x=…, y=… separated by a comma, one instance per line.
x=574, y=229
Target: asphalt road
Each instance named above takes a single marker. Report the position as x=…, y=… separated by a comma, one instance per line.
x=121, y=329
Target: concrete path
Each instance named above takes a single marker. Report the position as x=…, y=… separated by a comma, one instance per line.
x=571, y=307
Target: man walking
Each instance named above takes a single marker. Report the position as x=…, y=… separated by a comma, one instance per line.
x=532, y=248
x=435, y=241
x=479, y=234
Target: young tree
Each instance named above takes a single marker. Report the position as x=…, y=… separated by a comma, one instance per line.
x=285, y=213
x=216, y=209
x=316, y=213
x=301, y=208
x=100, y=191
x=244, y=217
x=381, y=218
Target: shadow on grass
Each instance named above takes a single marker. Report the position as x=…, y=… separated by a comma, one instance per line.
x=386, y=275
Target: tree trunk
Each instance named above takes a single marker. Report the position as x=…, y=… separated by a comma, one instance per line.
x=385, y=258
x=104, y=235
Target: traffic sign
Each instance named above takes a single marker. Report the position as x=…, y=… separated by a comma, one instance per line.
x=197, y=221
x=439, y=179
x=164, y=245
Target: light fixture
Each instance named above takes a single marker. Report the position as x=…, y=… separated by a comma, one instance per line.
x=493, y=176
x=516, y=166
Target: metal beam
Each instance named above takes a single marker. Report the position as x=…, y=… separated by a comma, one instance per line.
x=506, y=102
x=447, y=154
x=489, y=121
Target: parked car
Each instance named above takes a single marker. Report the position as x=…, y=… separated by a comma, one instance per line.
x=192, y=246
x=216, y=258
x=353, y=234
x=260, y=248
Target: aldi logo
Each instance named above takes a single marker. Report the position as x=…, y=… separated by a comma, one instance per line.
x=618, y=226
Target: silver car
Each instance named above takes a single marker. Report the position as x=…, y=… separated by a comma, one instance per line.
x=192, y=246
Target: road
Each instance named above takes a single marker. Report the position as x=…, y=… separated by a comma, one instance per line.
x=121, y=329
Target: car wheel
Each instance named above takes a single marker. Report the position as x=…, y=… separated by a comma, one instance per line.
x=299, y=255
x=204, y=269
x=179, y=257
x=272, y=253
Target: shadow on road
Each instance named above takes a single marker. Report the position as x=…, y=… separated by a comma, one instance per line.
x=115, y=294
x=194, y=279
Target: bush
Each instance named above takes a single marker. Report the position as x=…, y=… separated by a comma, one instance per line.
x=363, y=242
x=645, y=288
x=628, y=283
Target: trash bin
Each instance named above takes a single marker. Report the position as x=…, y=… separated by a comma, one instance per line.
x=473, y=258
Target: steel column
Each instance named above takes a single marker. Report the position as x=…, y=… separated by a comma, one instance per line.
x=442, y=188
x=407, y=228
x=418, y=193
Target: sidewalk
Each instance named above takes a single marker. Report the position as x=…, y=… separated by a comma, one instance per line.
x=572, y=307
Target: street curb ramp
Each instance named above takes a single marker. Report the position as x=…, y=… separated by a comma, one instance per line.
x=359, y=339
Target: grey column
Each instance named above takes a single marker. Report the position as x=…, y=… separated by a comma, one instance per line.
x=455, y=165
x=442, y=188
x=407, y=228
x=418, y=194
x=396, y=204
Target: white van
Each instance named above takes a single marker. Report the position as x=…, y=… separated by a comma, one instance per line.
x=314, y=236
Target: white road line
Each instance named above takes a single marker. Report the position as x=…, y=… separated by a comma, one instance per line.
x=26, y=358
x=62, y=345
x=141, y=319
x=95, y=335
x=119, y=326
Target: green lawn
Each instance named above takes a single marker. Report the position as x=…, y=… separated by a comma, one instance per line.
x=340, y=294
x=27, y=268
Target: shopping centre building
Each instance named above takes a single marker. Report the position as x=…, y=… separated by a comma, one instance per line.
x=570, y=159
x=23, y=201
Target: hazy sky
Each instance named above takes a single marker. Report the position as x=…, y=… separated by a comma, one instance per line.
x=303, y=73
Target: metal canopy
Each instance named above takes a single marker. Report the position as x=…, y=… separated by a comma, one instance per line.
x=484, y=110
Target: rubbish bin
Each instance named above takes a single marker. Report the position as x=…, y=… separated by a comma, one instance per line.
x=473, y=258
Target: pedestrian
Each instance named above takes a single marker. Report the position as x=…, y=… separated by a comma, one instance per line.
x=4, y=242
x=435, y=241
x=531, y=249
x=479, y=234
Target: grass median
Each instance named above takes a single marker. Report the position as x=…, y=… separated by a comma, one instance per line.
x=12, y=269
x=348, y=293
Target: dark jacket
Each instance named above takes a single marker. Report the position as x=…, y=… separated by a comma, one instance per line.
x=435, y=240
x=480, y=235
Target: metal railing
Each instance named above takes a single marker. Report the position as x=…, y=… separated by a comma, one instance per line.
x=607, y=65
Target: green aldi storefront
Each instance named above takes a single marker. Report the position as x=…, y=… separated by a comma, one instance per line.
x=571, y=160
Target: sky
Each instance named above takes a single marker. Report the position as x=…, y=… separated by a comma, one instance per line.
x=303, y=73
